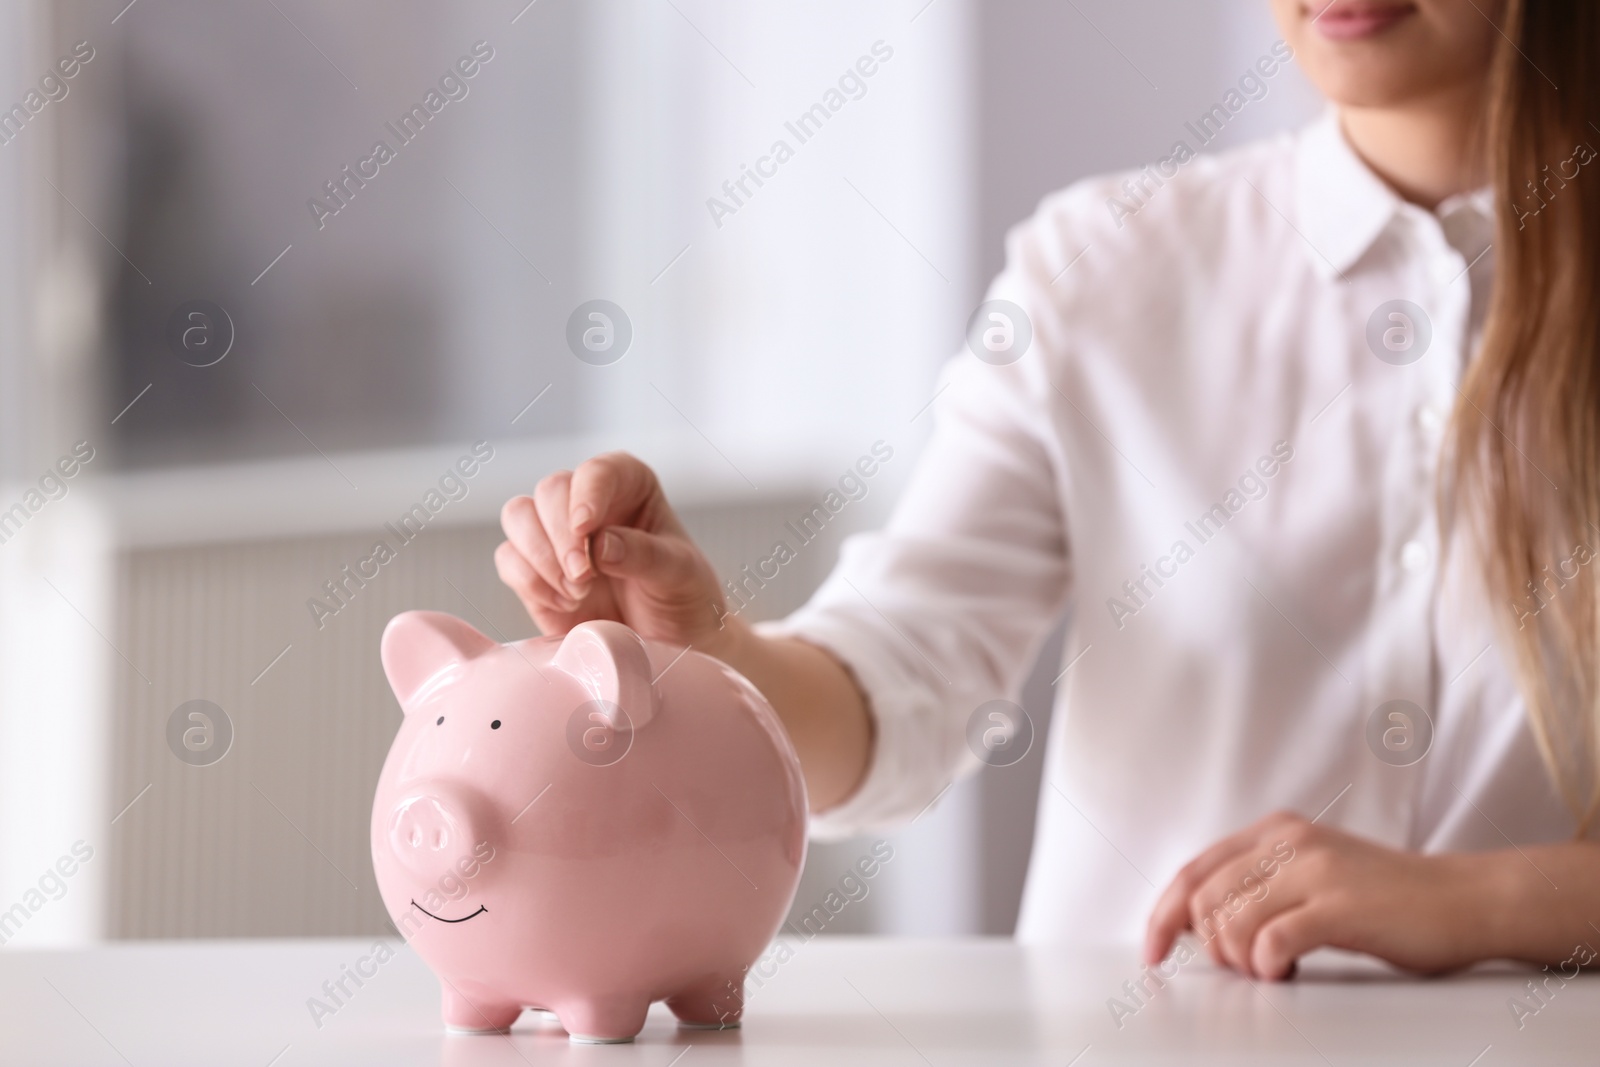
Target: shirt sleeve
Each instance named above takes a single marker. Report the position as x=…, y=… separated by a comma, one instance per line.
x=945, y=608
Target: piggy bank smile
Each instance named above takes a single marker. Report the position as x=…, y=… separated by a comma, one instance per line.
x=441, y=918
x=586, y=824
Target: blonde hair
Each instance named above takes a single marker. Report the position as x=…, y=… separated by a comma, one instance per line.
x=1523, y=461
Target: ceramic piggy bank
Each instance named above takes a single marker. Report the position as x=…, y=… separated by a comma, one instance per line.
x=583, y=824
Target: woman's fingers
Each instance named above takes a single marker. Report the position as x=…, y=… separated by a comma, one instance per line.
x=612, y=490
x=1235, y=902
x=663, y=562
x=571, y=551
x=1279, y=943
x=1170, y=916
x=544, y=603
x=602, y=542
x=526, y=533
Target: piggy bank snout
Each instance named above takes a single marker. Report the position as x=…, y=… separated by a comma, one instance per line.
x=439, y=833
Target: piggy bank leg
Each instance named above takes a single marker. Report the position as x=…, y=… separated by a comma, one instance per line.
x=468, y=1015
x=603, y=1020
x=717, y=1003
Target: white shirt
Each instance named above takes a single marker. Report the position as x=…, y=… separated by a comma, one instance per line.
x=1222, y=325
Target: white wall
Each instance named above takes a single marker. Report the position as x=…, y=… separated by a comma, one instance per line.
x=55, y=580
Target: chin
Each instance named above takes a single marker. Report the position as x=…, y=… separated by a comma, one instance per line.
x=1367, y=85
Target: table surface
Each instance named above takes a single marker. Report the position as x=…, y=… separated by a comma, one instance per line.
x=837, y=1001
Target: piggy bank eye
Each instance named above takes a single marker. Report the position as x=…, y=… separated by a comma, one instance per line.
x=439, y=721
x=495, y=725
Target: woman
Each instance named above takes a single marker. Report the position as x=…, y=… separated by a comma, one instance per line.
x=1307, y=434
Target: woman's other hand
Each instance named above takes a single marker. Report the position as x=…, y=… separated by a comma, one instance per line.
x=1264, y=897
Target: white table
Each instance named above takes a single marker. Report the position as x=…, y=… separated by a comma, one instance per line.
x=837, y=1002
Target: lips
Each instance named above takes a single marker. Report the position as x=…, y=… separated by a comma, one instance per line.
x=1351, y=20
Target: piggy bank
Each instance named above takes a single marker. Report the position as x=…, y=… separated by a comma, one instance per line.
x=584, y=825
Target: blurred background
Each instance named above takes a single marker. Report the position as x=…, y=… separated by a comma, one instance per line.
x=271, y=343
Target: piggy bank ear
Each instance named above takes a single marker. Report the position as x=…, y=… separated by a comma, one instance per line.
x=610, y=662
x=420, y=645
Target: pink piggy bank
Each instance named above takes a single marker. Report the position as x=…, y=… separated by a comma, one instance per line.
x=584, y=825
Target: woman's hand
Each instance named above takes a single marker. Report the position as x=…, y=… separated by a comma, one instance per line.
x=601, y=542
x=1271, y=893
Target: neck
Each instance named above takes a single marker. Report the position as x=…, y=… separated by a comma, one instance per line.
x=1428, y=149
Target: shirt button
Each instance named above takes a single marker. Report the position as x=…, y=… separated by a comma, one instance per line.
x=1414, y=556
x=1429, y=420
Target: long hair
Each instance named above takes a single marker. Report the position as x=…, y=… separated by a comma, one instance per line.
x=1523, y=462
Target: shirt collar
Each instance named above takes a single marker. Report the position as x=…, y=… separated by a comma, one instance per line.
x=1341, y=205
x=1478, y=201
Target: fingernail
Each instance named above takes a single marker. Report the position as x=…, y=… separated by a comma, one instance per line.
x=576, y=564
x=611, y=548
x=581, y=516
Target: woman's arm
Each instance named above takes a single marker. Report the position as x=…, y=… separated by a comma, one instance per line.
x=1268, y=895
x=602, y=542
x=1536, y=904
x=818, y=701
